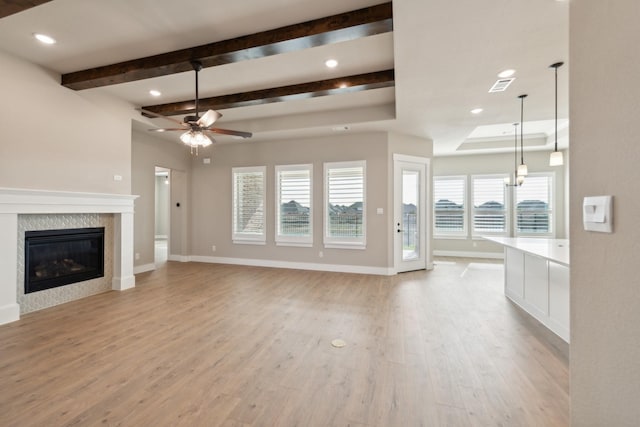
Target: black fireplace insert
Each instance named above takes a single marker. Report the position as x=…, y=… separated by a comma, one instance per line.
x=59, y=257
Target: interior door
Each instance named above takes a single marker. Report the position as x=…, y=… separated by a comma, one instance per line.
x=410, y=213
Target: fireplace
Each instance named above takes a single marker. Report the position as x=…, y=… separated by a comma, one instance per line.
x=59, y=257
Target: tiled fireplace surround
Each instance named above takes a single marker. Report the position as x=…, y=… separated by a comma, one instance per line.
x=24, y=206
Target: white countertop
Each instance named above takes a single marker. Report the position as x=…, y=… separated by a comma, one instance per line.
x=556, y=250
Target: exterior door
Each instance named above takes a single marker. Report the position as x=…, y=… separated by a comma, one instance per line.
x=410, y=213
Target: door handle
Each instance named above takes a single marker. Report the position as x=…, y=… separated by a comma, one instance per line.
x=400, y=231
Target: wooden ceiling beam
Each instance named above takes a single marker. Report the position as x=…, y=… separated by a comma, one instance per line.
x=9, y=7
x=332, y=29
x=333, y=86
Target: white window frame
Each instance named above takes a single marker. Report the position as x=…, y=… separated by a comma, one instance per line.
x=241, y=237
x=551, y=210
x=506, y=206
x=283, y=239
x=461, y=234
x=345, y=242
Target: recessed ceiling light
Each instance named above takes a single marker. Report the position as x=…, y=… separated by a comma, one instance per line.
x=506, y=73
x=43, y=38
x=476, y=111
x=331, y=63
x=154, y=92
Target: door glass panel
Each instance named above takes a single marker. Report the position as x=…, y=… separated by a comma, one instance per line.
x=410, y=215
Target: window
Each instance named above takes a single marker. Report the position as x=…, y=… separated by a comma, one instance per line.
x=534, y=205
x=488, y=198
x=449, y=194
x=294, y=225
x=248, y=205
x=345, y=219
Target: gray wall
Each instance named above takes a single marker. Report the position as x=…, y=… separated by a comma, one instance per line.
x=54, y=138
x=605, y=154
x=211, y=196
x=537, y=161
x=147, y=153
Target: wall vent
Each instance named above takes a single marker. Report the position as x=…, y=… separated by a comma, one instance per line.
x=501, y=85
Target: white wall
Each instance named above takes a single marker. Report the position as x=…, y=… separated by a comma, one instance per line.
x=605, y=154
x=537, y=161
x=54, y=138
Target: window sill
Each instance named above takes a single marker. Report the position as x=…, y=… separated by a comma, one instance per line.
x=355, y=246
x=249, y=242
x=295, y=244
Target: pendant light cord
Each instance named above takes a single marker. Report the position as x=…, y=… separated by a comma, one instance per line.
x=556, y=107
x=522, y=97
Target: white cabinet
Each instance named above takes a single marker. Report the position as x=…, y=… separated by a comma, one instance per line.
x=514, y=274
x=539, y=283
x=559, y=298
x=536, y=284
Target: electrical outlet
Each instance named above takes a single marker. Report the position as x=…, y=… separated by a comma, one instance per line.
x=213, y=248
x=320, y=254
x=475, y=244
x=137, y=255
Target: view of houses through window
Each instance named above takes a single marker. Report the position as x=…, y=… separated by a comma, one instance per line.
x=293, y=215
x=344, y=201
x=490, y=200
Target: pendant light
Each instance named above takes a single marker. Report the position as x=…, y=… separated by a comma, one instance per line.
x=519, y=179
x=522, y=169
x=556, y=157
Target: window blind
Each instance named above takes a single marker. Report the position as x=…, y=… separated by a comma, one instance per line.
x=449, y=205
x=345, y=203
x=489, y=213
x=533, y=205
x=294, y=216
x=248, y=203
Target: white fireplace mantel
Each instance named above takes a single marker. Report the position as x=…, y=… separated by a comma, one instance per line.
x=16, y=201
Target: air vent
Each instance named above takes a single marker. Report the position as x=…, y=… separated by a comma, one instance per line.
x=501, y=85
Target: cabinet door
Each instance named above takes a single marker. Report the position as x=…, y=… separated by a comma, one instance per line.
x=536, y=283
x=514, y=273
x=559, y=295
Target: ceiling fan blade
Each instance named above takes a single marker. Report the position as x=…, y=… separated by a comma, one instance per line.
x=160, y=116
x=231, y=132
x=209, y=118
x=165, y=129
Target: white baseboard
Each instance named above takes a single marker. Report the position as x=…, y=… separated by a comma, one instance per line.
x=9, y=313
x=469, y=254
x=143, y=268
x=359, y=269
x=161, y=237
x=179, y=258
x=123, y=283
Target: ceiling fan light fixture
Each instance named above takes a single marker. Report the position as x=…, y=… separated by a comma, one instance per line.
x=155, y=93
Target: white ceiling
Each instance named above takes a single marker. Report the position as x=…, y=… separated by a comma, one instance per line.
x=446, y=56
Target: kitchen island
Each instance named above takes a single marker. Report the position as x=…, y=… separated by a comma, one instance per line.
x=536, y=277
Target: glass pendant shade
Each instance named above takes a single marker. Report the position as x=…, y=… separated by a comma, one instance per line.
x=556, y=159
x=520, y=180
x=195, y=139
x=523, y=170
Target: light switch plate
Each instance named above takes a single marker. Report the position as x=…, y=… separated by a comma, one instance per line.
x=597, y=214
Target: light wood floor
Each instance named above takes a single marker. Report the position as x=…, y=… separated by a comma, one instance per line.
x=207, y=345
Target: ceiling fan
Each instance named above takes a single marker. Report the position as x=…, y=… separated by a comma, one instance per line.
x=196, y=128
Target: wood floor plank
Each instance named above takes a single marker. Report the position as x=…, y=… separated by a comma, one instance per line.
x=219, y=345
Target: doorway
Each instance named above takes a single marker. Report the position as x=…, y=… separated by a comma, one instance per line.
x=162, y=215
x=410, y=213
